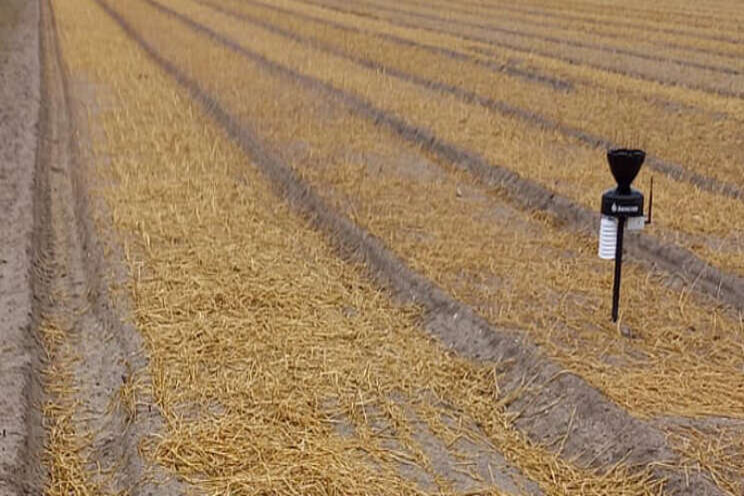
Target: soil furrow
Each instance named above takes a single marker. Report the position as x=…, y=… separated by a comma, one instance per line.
x=591, y=14
x=563, y=83
x=517, y=48
x=673, y=170
x=674, y=259
x=622, y=36
x=572, y=78
x=533, y=76
x=678, y=116
x=94, y=355
x=552, y=39
x=629, y=25
x=447, y=315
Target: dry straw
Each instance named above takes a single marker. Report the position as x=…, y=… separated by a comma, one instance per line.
x=708, y=224
x=262, y=343
x=65, y=445
x=602, y=104
x=518, y=268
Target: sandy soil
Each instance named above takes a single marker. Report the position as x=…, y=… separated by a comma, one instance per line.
x=601, y=433
x=54, y=272
x=109, y=354
x=52, y=267
x=19, y=94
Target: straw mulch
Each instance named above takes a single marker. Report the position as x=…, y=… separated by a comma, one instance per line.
x=519, y=268
x=708, y=225
x=261, y=341
x=66, y=445
x=673, y=354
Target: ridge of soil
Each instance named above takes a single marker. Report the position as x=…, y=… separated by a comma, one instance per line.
x=673, y=170
x=599, y=432
x=680, y=263
x=67, y=280
x=112, y=356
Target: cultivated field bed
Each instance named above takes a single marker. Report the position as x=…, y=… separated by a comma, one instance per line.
x=321, y=247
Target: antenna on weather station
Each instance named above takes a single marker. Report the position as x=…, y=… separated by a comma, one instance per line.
x=620, y=206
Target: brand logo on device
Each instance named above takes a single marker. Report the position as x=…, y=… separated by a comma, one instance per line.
x=621, y=209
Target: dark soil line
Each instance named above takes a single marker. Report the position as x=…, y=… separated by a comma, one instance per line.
x=554, y=39
x=554, y=25
x=530, y=51
x=557, y=84
x=617, y=22
x=528, y=75
x=75, y=262
x=675, y=171
x=674, y=259
x=603, y=432
x=565, y=84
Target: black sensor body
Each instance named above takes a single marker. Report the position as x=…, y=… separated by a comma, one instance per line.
x=621, y=203
x=618, y=204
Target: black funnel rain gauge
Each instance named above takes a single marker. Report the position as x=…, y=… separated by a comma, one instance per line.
x=622, y=208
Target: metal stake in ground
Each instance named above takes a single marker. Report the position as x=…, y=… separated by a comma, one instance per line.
x=621, y=207
x=618, y=267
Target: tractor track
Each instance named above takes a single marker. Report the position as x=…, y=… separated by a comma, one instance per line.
x=675, y=260
x=21, y=437
x=96, y=350
x=675, y=171
x=517, y=48
x=603, y=433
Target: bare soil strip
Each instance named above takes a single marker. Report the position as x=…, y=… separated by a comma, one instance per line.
x=603, y=433
x=726, y=286
x=560, y=42
x=555, y=83
x=698, y=21
x=549, y=13
x=686, y=127
x=392, y=18
x=20, y=433
x=90, y=357
x=673, y=170
x=609, y=30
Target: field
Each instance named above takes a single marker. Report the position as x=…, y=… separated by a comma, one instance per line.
x=331, y=247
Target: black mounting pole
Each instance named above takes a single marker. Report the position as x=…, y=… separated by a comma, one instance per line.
x=618, y=267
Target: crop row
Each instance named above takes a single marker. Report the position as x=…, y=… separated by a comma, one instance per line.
x=186, y=195
x=510, y=269
x=621, y=31
x=260, y=339
x=695, y=136
x=563, y=38
x=514, y=267
x=536, y=153
x=716, y=20
x=715, y=79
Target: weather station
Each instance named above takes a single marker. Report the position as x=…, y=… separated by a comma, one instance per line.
x=622, y=208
